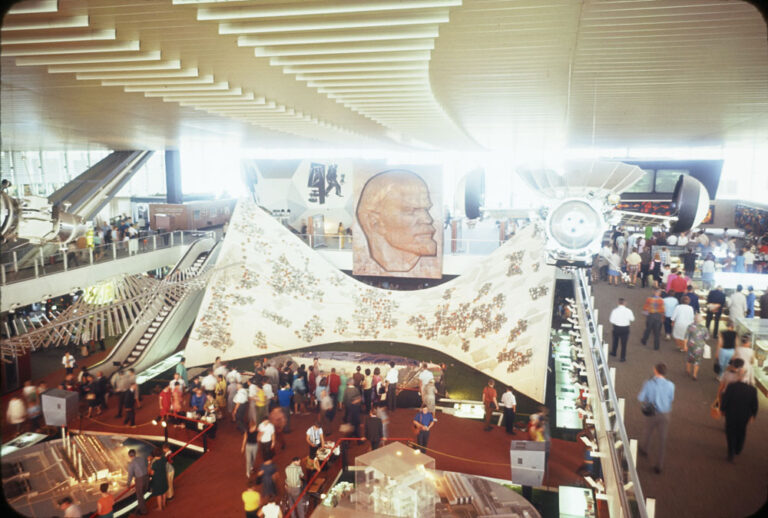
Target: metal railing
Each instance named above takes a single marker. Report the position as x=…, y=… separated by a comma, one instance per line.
x=66, y=260
x=622, y=483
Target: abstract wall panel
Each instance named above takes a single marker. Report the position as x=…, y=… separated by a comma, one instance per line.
x=398, y=222
x=271, y=293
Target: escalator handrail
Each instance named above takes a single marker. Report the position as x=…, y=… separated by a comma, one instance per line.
x=118, y=345
x=148, y=346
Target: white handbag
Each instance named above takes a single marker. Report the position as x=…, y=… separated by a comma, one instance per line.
x=707, y=352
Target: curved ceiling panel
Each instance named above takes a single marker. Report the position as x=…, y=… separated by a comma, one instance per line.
x=526, y=74
x=370, y=56
x=155, y=54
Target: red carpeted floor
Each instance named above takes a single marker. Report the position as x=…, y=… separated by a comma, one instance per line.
x=213, y=484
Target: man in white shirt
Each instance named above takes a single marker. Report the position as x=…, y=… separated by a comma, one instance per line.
x=509, y=404
x=737, y=304
x=271, y=510
x=177, y=381
x=209, y=382
x=240, y=412
x=69, y=362
x=233, y=377
x=633, y=266
x=424, y=376
x=603, y=258
x=621, y=318
x=268, y=392
x=220, y=370
x=392, y=377
x=267, y=438
x=272, y=375
x=749, y=260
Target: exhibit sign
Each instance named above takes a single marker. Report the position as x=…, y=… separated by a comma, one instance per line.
x=398, y=221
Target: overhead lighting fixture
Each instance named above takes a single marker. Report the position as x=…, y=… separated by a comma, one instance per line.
x=370, y=57
x=129, y=74
x=89, y=35
x=79, y=59
x=334, y=22
x=116, y=46
x=173, y=64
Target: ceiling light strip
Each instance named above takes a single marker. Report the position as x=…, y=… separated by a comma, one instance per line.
x=153, y=55
x=90, y=35
x=224, y=85
x=351, y=59
x=173, y=64
x=216, y=93
x=142, y=75
x=416, y=81
x=313, y=8
x=117, y=46
x=168, y=81
x=374, y=89
x=355, y=76
x=334, y=23
x=9, y=24
x=313, y=38
x=346, y=48
x=370, y=67
x=35, y=6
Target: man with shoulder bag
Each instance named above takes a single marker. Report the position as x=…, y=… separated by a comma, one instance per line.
x=656, y=398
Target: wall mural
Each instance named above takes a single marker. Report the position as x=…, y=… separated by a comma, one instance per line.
x=298, y=189
x=271, y=293
x=398, y=222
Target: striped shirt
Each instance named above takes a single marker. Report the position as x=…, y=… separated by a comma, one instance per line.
x=293, y=476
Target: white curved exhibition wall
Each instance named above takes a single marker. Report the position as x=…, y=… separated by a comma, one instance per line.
x=272, y=293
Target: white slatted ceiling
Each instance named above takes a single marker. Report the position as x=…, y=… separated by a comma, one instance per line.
x=507, y=74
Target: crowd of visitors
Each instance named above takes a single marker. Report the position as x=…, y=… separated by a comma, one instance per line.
x=690, y=318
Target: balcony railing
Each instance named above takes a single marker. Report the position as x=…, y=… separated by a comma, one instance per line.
x=66, y=260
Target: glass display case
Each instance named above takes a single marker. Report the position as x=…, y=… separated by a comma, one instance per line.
x=396, y=481
x=568, y=388
x=758, y=328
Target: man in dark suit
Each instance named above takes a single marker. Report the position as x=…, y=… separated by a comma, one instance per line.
x=129, y=403
x=374, y=429
x=739, y=405
x=764, y=305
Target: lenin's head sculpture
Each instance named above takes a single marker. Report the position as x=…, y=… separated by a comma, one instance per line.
x=393, y=212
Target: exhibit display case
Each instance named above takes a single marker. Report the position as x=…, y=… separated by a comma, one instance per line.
x=394, y=480
x=568, y=385
x=758, y=329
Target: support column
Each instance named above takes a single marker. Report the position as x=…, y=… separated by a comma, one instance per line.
x=173, y=176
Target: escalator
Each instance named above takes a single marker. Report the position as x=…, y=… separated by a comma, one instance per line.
x=163, y=324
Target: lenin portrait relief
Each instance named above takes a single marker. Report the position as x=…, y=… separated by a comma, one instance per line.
x=393, y=213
